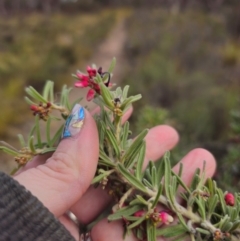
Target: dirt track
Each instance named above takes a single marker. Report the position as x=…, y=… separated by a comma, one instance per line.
x=111, y=47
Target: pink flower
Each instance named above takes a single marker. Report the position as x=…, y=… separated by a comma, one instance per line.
x=90, y=94
x=165, y=218
x=91, y=71
x=229, y=199
x=82, y=84
x=85, y=80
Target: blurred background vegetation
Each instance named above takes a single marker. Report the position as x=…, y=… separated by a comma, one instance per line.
x=183, y=56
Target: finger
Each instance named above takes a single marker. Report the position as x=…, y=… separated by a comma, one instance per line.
x=110, y=231
x=66, y=175
x=158, y=140
x=41, y=159
x=194, y=159
x=37, y=160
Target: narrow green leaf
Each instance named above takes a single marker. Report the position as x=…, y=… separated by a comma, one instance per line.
x=9, y=151
x=63, y=95
x=173, y=187
x=129, y=101
x=64, y=100
x=226, y=226
x=180, y=182
x=154, y=176
x=107, y=96
x=35, y=94
x=98, y=178
x=195, y=179
x=142, y=200
x=136, y=223
x=140, y=234
x=104, y=159
x=125, y=134
x=223, y=221
x=202, y=177
x=139, y=168
x=151, y=231
x=221, y=199
x=136, y=201
x=112, y=139
x=179, y=174
x=132, y=179
x=201, y=207
x=172, y=194
x=132, y=158
x=236, y=225
x=57, y=136
x=46, y=150
x=147, y=174
x=112, y=65
x=203, y=231
x=171, y=231
x=48, y=90
x=51, y=92
x=167, y=175
x=182, y=221
x=212, y=203
x=118, y=92
x=21, y=140
x=147, y=183
x=125, y=92
x=159, y=192
x=55, y=118
x=134, y=145
x=210, y=186
x=48, y=130
x=160, y=170
x=38, y=132
x=31, y=144
x=31, y=133
x=124, y=212
x=5, y=144
x=30, y=102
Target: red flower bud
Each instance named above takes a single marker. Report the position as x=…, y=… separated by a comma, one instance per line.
x=90, y=94
x=165, y=218
x=229, y=199
x=139, y=213
x=91, y=71
x=34, y=107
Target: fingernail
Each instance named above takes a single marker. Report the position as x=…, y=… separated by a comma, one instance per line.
x=74, y=122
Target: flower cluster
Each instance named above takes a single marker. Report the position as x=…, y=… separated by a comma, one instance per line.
x=87, y=80
x=42, y=110
x=158, y=217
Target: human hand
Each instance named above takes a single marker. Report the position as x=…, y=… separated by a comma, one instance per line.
x=62, y=182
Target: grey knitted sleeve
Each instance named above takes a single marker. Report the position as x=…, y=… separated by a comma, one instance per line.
x=24, y=218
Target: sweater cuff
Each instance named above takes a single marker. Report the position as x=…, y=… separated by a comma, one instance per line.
x=23, y=216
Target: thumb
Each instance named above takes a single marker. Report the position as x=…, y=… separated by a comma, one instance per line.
x=66, y=175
